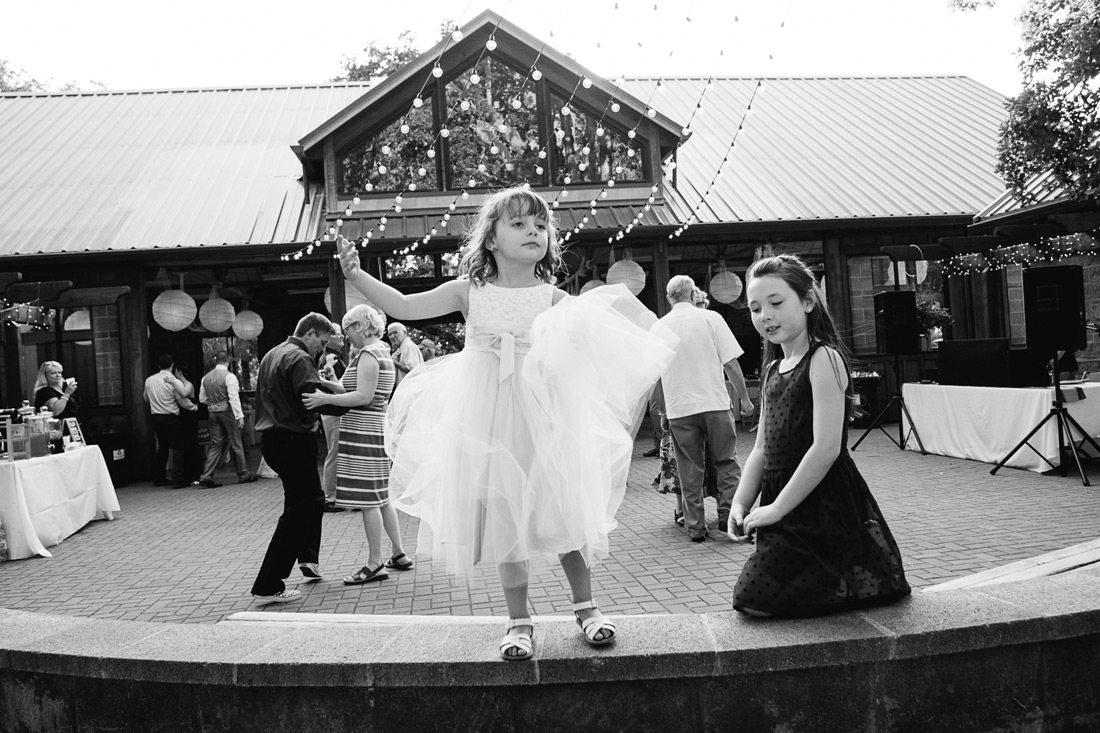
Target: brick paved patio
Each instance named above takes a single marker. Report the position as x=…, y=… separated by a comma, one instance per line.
x=190, y=555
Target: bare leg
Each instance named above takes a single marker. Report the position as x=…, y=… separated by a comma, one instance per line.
x=580, y=583
x=372, y=525
x=513, y=578
x=393, y=529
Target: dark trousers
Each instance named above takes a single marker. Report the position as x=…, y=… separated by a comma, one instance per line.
x=298, y=533
x=169, y=433
x=690, y=437
x=225, y=437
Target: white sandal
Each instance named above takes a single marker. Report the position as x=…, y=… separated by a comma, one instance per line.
x=520, y=643
x=593, y=625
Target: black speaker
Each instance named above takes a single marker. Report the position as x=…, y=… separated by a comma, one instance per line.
x=1054, y=308
x=896, y=330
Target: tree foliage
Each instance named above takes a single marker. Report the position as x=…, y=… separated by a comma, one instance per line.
x=1053, y=125
x=16, y=80
x=379, y=61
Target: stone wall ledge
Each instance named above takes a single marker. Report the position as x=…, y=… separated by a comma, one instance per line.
x=1036, y=642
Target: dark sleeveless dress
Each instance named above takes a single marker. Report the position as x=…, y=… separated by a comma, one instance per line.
x=833, y=552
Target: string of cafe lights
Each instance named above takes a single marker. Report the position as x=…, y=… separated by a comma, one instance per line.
x=533, y=74
x=1054, y=249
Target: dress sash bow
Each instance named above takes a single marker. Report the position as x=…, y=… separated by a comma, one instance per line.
x=506, y=345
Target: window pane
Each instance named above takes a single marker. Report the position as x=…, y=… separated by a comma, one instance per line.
x=391, y=159
x=580, y=154
x=494, y=137
x=410, y=266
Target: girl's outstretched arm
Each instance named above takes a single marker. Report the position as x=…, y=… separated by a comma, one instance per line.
x=447, y=298
x=828, y=381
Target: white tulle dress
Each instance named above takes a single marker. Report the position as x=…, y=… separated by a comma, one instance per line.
x=521, y=443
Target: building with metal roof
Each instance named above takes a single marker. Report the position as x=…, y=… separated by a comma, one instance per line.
x=115, y=197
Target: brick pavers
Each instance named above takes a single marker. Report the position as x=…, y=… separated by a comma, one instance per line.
x=190, y=555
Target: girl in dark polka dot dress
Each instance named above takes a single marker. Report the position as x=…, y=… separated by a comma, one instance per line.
x=822, y=544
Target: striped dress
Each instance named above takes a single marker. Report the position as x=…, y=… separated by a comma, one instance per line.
x=362, y=467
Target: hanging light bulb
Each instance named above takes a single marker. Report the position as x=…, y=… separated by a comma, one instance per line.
x=586, y=83
x=422, y=171
x=494, y=149
x=491, y=44
x=456, y=35
x=565, y=110
x=464, y=105
x=444, y=132
x=385, y=150
x=382, y=169
x=412, y=186
x=650, y=112
x=475, y=79
x=516, y=104
x=404, y=129
x=355, y=200
x=418, y=102
x=631, y=134
x=615, y=107
x=502, y=128
x=536, y=74
x=599, y=132
x=431, y=152
x=437, y=71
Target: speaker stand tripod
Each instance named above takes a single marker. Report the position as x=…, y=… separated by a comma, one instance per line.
x=1066, y=425
x=903, y=437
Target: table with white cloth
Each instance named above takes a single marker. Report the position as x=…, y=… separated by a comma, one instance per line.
x=985, y=423
x=44, y=500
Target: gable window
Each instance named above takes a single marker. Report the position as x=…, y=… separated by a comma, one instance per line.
x=586, y=151
x=494, y=127
x=391, y=159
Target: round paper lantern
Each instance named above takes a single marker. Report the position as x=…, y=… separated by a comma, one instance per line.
x=216, y=314
x=592, y=285
x=726, y=286
x=248, y=325
x=352, y=298
x=174, y=310
x=629, y=273
x=79, y=320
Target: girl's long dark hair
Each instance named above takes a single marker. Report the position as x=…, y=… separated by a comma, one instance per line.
x=820, y=326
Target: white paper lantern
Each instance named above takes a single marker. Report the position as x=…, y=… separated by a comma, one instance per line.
x=352, y=298
x=629, y=273
x=592, y=285
x=726, y=286
x=248, y=325
x=216, y=314
x=174, y=310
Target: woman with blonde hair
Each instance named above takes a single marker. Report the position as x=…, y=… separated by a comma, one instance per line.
x=362, y=467
x=52, y=390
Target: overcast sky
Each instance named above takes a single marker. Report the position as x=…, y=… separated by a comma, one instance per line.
x=138, y=44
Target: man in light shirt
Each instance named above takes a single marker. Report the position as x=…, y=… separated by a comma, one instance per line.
x=220, y=392
x=698, y=405
x=166, y=395
x=406, y=354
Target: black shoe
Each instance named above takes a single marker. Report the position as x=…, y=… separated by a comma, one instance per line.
x=700, y=538
x=651, y=453
x=330, y=506
x=247, y=479
x=209, y=484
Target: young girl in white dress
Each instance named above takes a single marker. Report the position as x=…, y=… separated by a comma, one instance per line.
x=520, y=444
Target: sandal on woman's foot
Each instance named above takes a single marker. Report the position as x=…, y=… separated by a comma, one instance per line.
x=678, y=517
x=597, y=628
x=517, y=645
x=400, y=562
x=366, y=575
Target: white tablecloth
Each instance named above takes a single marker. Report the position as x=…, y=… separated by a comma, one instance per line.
x=985, y=423
x=44, y=500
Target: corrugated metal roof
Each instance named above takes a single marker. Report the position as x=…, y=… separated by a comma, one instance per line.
x=157, y=169
x=1041, y=189
x=829, y=148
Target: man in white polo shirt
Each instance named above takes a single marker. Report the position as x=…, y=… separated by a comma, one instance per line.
x=698, y=405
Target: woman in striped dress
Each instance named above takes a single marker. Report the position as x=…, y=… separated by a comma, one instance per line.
x=362, y=467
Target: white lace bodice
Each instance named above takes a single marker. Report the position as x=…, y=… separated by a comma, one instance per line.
x=495, y=310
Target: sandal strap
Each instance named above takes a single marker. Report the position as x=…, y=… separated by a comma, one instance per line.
x=514, y=622
x=584, y=605
x=601, y=622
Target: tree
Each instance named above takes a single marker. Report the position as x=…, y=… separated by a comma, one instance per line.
x=16, y=80
x=1053, y=125
x=380, y=61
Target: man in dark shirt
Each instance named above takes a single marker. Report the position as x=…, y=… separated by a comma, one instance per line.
x=288, y=445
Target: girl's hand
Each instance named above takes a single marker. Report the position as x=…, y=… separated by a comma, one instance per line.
x=314, y=400
x=349, y=256
x=735, y=530
x=763, y=516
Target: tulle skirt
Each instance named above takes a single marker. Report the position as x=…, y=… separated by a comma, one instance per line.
x=500, y=469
